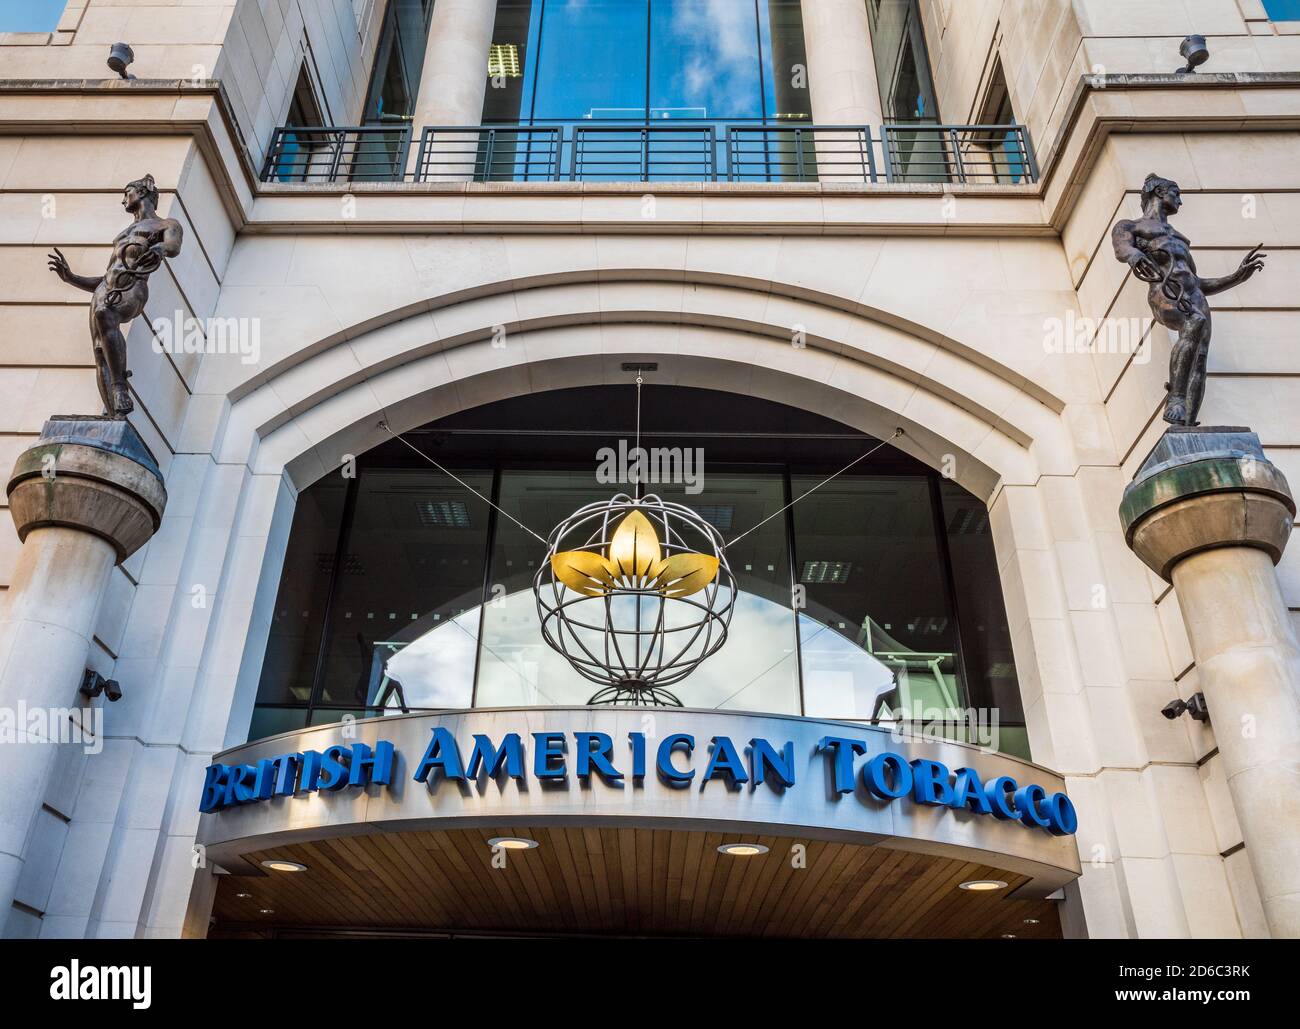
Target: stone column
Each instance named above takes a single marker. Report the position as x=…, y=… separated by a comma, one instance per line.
x=85, y=497
x=453, y=82
x=1209, y=513
x=841, y=82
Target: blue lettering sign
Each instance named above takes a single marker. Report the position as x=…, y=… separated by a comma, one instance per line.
x=664, y=758
x=443, y=756
x=484, y=754
x=281, y=776
x=886, y=777
x=842, y=752
x=724, y=760
x=766, y=760
x=548, y=758
x=596, y=750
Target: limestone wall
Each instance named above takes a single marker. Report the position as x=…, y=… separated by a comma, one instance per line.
x=1046, y=46
x=1239, y=190
x=922, y=307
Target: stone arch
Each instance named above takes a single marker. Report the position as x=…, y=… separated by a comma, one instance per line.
x=306, y=415
x=283, y=428
x=973, y=416
x=779, y=300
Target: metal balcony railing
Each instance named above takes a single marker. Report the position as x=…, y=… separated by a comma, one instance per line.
x=958, y=153
x=358, y=153
x=802, y=153
x=489, y=153
x=643, y=153
x=635, y=152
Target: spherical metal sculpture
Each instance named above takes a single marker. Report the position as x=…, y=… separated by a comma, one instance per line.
x=635, y=593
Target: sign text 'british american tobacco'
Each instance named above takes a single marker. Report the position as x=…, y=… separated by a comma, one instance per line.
x=882, y=777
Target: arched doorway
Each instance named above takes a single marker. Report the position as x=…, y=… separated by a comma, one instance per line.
x=406, y=584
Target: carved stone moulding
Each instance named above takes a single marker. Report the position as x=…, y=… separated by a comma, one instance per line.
x=1204, y=488
x=92, y=474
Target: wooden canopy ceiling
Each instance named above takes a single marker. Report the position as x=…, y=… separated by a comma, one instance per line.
x=619, y=882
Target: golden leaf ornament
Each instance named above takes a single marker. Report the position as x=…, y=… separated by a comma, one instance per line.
x=635, y=560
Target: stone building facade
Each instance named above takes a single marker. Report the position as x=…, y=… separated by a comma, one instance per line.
x=986, y=319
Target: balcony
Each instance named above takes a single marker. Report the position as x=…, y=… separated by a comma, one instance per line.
x=637, y=152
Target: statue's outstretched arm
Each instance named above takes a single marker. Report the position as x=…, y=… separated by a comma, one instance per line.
x=1250, y=264
x=59, y=266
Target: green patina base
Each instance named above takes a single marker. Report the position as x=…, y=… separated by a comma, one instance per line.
x=1201, y=488
x=95, y=475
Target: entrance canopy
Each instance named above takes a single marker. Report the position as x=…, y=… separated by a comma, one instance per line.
x=390, y=821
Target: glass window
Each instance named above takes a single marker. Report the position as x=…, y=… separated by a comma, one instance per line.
x=271, y=721
x=1282, y=10
x=516, y=666
x=591, y=60
x=391, y=566
x=600, y=70
x=784, y=62
x=303, y=109
x=558, y=61
x=761, y=669
x=902, y=62
x=289, y=668
x=988, y=663
x=30, y=15
x=404, y=589
x=877, y=631
x=399, y=60
x=996, y=156
x=704, y=60
x=511, y=63
x=403, y=626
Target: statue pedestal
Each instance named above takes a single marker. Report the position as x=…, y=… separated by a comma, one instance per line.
x=1208, y=512
x=84, y=497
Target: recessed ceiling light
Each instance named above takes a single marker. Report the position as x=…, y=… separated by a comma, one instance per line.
x=443, y=514
x=1008, y=936
x=243, y=896
x=279, y=865
x=512, y=843
x=503, y=61
x=980, y=885
x=267, y=911
x=721, y=516
x=742, y=849
x=1031, y=921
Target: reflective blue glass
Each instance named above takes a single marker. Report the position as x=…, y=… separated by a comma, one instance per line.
x=606, y=61
x=31, y=15
x=1282, y=10
x=704, y=60
x=591, y=60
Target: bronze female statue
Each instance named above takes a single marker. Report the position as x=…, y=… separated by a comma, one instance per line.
x=1161, y=256
x=119, y=295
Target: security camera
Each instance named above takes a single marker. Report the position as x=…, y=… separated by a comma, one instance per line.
x=1196, y=707
x=93, y=684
